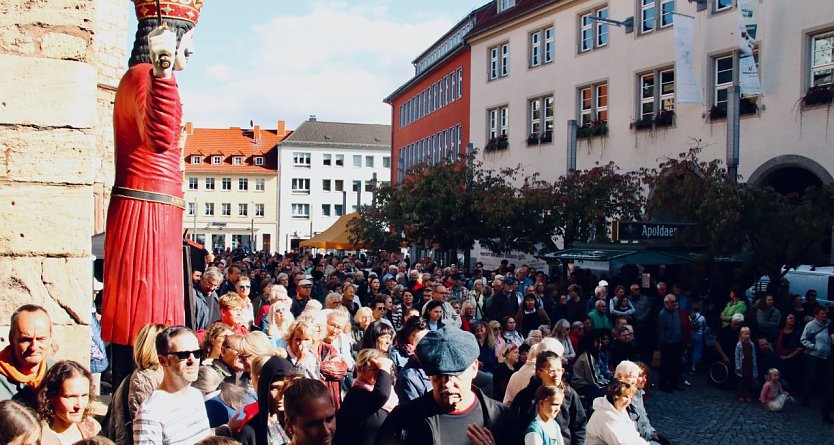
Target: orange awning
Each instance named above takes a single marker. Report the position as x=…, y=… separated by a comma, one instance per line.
x=335, y=237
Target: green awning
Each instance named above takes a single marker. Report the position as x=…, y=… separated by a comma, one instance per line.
x=588, y=254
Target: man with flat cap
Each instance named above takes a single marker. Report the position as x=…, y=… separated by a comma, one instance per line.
x=455, y=412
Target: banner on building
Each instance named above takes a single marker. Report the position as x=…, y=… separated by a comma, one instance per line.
x=686, y=88
x=748, y=72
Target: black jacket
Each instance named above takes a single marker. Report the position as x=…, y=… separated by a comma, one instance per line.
x=361, y=413
x=416, y=422
x=571, y=418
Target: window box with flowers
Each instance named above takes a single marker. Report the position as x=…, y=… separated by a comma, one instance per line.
x=543, y=138
x=746, y=105
x=595, y=128
x=818, y=95
x=497, y=143
x=643, y=123
x=665, y=118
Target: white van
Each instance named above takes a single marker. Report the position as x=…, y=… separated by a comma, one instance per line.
x=821, y=279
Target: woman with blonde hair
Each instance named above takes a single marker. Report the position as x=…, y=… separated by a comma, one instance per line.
x=64, y=399
x=338, y=321
x=138, y=385
x=213, y=342
x=363, y=318
x=561, y=332
x=257, y=344
x=278, y=322
x=276, y=293
x=495, y=329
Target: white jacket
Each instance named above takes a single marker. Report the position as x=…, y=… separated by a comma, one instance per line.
x=611, y=427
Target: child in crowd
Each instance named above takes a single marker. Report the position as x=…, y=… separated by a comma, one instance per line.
x=745, y=364
x=773, y=397
x=544, y=430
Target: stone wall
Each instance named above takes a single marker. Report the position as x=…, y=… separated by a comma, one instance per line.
x=52, y=153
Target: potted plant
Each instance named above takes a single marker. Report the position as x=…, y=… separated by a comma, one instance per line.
x=497, y=143
x=818, y=95
x=642, y=123
x=665, y=118
x=595, y=128
x=546, y=137
x=718, y=112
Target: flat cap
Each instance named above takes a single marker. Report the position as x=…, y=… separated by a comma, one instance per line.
x=447, y=351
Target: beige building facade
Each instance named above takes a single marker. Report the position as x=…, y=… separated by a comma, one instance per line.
x=535, y=70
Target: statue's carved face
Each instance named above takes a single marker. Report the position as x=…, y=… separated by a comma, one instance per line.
x=184, y=51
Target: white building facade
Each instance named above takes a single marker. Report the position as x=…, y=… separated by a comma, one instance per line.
x=536, y=69
x=327, y=169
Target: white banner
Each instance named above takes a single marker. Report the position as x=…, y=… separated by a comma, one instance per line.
x=748, y=74
x=492, y=260
x=686, y=90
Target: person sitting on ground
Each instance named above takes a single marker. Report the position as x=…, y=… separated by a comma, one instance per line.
x=20, y=425
x=64, y=399
x=610, y=423
x=309, y=414
x=637, y=409
x=590, y=378
x=544, y=430
x=24, y=361
x=773, y=397
x=368, y=402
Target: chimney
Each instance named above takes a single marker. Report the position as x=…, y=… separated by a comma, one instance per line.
x=281, y=129
x=312, y=118
x=189, y=128
x=256, y=134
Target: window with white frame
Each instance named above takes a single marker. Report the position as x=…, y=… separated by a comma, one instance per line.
x=216, y=160
x=499, y=61
x=325, y=185
x=822, y=60
x=327, y=159
x=237, y=160
x=722, y=5
x=460, y=82
x=325, y=210
x=593, y=105
x=226, y=184
x=357, y=161
x=503, y=5
x=260, y=184
x=301, y=159
x=259, y=160
x=541, y=116
x=192, y=208
x=340, y=160
x=369, y=161
x=243, y=184
x=542, y=46
x=593, y=33
x=301, y=185
x=723, y=80
x=243, y=209
x=196, y=159
x=193, y=183
x=226, y=209
x=386, y=162
x=357, y=186
x=208, y=209
x=656, y=14
x=259, y=210
x=499, y=121
x=338, y=209
x=301, y=210
x=209, y=183
x=657, y=93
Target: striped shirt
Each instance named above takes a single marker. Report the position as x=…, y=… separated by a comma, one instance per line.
x=168, y=419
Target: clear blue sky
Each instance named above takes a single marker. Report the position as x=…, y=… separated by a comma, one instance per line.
x=270, y=60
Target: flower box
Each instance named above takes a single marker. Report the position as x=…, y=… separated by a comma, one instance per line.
x=497, y=143
x=664, y=119
x=818, y=95
x=596, y=128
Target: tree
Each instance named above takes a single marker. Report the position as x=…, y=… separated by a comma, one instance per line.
x=377, y=225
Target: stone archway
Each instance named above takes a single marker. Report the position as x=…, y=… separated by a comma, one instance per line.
x=790, y=173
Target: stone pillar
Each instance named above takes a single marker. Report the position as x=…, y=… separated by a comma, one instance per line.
x=49, y=163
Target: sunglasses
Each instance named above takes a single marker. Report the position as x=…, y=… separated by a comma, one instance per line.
x=184, y=355
x=379, y=308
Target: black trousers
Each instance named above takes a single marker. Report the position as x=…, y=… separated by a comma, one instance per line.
x=121, y=363
x=670, y=365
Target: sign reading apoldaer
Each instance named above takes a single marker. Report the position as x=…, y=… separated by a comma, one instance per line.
x=638, y=231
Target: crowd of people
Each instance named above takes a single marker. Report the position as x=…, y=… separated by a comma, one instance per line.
x=356, y=350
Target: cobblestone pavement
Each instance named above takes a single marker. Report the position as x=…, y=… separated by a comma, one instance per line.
x=704, y=415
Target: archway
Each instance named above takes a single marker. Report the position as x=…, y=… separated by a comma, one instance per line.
x=790, y=174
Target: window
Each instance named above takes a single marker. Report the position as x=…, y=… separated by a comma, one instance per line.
x=259, y=160
x=357, y=186
x=339, y=185
x=542, y=46
x=593, y=105
x=327, y=159
x=196, y=159
x=338, y=209
x=541, y=117
x=503, y=5
x=192, y=208
x=499, y=61
x=226, y=209
x=822, y=60
x=650, y=10
x=386, y=162
x=259, y=210
x=593, y=33
x=242, y=209
x=357, y=161
x=209, y=183
x=301, y=185
x=243, y=184
x=655, y=96
x=325, y=210
x=369, y=161
x=340, y=160
x=460, y=82
x=325, y=185
x=193, y=183
x=300, y=159
x=260, y=184
x=722, y=5
x=723, y=78
x=209, y=209
x=237, y=160
x=498, y=121
x=226, y=184
x=301, y=210
x=369, y=186
x=216, y=160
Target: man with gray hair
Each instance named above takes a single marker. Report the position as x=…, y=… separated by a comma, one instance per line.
x=206, y=306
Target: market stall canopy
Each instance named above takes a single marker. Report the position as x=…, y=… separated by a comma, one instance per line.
x=621, y=256
x=336, y=237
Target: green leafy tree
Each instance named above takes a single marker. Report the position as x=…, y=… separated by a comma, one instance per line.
x=378, y=226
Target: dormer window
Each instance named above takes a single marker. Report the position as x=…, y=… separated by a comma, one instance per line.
x=196, y=159
x=237, y=160
x=259, y=160
x=503, y=5
x=216, y=160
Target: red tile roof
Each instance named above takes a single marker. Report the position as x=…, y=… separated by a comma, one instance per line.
x=231, y=142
